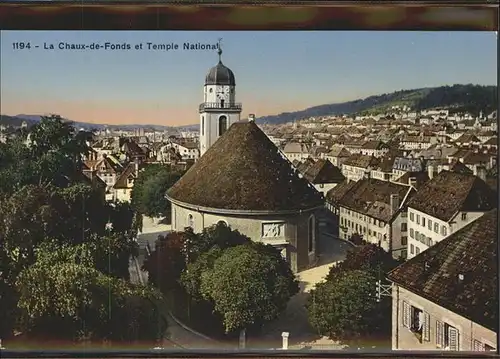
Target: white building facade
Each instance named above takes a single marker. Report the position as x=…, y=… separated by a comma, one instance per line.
x=425, y=230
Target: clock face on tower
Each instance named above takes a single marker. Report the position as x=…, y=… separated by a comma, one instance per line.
x=223, y=93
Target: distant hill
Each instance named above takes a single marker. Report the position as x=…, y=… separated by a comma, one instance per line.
x=17, y=120
x=458, y=98
x=14, y=121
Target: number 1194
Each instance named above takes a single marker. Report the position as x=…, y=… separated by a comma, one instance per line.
x=21, y=45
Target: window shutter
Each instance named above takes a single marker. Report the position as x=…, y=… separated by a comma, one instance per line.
x=478, y=346
x=426, y=331
x=439, y=334
x=453, y=335
x=406, y=315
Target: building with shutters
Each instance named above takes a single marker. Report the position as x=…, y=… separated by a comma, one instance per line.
x=445, y=297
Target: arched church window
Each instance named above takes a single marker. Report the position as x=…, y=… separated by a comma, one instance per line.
x=210, y=90
x=203, y=125
x=222, y=125
x=190, y=221
x=311, y=234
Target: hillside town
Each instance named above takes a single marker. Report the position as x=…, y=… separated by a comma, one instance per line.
x=417, y=185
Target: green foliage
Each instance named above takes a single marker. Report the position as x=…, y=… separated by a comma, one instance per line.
x=121, y=217
x=191, y=278
x=166, y=262
x=50, y=154
x=245, y=284
x=345, y=306
x=202, y=249
x=219, y=236
x=461, y=98
x=470, y=98
x=153, y=197
x=148, y=194
x=368, y=257
x=34, y=214
x=62, y=290
x=57, y=254
x=249, y=285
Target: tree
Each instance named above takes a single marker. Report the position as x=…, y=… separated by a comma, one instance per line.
x=249, y=285
x=333, y=316
x=369, y=257
x=202, y=249
x=166, y=263
x=121, y=217
x=154, y=202
x=192, y=276
x=26, y=219
x=345, y=306
x=112, y=253
x=64, y=292
x=85, y=212
x=51, y=153
x=44, y=201
x=148, y=194
x=219, y=235
x=55, y=135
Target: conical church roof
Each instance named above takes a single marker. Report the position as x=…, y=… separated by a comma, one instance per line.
x=244, y=170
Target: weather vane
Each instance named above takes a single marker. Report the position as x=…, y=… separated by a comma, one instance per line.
x=219, y=50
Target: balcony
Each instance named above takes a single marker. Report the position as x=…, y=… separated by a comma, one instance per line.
x=220, y=106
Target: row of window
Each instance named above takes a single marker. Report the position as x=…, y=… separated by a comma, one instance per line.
x=422, y=221
x=447, y=336
x=362, y=217
x=421, y=237
x=414, y=249
x=360, y=229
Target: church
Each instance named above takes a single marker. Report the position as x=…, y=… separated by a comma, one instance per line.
x=244, y=180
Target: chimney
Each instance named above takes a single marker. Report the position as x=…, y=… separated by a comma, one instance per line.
x=481, y=172
x=251, y=117
x=394, y=202
x=412, y=181
x=430, y=171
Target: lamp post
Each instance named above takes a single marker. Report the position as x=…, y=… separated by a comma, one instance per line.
x=186, y=250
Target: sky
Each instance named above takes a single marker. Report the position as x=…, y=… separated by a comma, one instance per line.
x=275, y=71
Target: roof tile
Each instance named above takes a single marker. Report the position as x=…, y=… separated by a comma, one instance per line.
x=471, y=252
x=244, y=170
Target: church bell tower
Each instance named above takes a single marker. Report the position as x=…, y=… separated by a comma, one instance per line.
x=219, y=109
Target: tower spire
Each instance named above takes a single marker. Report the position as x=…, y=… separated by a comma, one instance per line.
x=219, y=49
